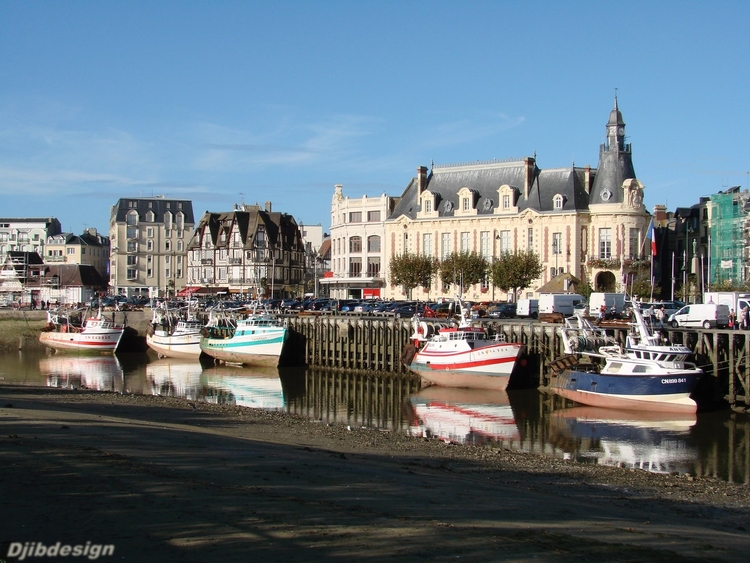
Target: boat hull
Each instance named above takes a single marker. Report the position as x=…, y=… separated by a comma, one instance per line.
x=664, y=393
x=185, y=346
x=97, y=342
x=487, y=367
x=260, y=349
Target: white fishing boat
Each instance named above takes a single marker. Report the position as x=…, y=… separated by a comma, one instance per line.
x=174, y=334
x=72, y=330
x=256, y=339
x=647, y=373
x=460, y=355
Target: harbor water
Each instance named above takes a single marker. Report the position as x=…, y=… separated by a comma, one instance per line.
x=708, y=444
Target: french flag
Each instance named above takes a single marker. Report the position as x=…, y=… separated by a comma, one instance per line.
x=652, y=236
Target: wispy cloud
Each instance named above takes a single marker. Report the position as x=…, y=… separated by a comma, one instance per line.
x=468, y=130
x=288, y=142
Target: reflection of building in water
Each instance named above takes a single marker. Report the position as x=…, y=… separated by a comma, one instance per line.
x=102, y=373
x=466, y=416
x=254, y=387
x=175, y=378
x=648, y=440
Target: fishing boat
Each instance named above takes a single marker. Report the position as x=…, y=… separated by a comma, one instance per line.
x=256, y=339
x=460, y=355
x=647, y=373
x=72, y=330
x=173, y=334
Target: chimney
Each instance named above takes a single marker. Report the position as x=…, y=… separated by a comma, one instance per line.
x=529, y=165
x=587, y=179
x=421, y=179
x=660, y=214
x=268, y=207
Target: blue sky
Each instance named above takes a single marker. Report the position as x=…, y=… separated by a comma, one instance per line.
x=223, y=102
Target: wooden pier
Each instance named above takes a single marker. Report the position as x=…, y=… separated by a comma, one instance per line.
x=375, y=344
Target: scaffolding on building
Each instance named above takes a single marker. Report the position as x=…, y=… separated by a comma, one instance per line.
x=727, y=219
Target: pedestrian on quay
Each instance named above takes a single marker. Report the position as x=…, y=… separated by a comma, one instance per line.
x=732, y=319
x=659, y=314
x=745, y=318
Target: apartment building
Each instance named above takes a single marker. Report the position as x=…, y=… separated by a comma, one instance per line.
x=357, y=245
x=26, y=234
x=251, y=251
x=90, y=248
x=148, y=238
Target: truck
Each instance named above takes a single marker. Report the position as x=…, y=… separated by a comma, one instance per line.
x=733, y=299
x=706, y=315
x=527, y=308
x=561, y=303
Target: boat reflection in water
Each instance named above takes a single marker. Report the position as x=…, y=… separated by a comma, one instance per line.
x=256, y=387
x=650, y=440
x=102, y=373
x=466, y=416
x=174, y=377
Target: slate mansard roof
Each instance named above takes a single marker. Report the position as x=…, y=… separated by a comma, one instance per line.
x=484, y=179
x=159, y=206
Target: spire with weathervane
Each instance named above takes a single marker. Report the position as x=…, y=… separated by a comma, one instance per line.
x=615, y=163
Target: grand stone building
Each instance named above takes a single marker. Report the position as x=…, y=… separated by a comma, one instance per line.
x=588, y=222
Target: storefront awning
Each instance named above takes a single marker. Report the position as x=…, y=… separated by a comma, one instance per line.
x=187, y=291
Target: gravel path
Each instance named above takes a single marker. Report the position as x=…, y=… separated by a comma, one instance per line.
x=167, y=479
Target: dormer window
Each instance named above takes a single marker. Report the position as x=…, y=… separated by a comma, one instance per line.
x=507, y=197
x=467, y=202
x=429, y=203
x=558, y=202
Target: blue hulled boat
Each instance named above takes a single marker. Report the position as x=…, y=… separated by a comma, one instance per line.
x=648, y=373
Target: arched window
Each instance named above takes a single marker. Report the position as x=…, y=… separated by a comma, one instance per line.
x=355, y=244
x=373, y=243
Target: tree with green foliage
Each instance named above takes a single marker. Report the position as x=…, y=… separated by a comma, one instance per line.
x=463, y=269
x=514, y=271
x=412, y=270
x=642, y=287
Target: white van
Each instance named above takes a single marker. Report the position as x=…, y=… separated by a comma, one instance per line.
x=707, y=315
x=563, y=303
x=527, y=308
x=609, y=300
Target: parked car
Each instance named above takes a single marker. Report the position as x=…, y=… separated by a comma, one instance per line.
x=502, y=311
x=367, y=306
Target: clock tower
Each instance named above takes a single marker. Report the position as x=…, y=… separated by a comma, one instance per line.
x=615, y=163
x=616, y=129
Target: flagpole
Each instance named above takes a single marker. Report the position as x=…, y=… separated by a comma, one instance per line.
x=672, y=276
